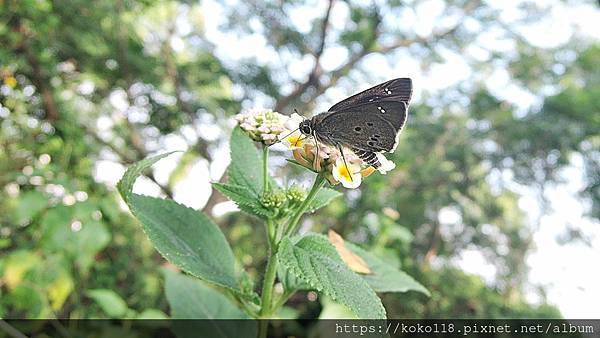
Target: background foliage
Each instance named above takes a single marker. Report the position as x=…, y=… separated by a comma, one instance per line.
x=91, y=86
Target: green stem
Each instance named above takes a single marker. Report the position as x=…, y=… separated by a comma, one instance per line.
x=293, y=224
x=265, y=174
x=282, y=299
x=267, y=291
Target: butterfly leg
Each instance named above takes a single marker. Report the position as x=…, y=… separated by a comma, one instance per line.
x=341, y=149
x=316, y=161
x=368, y=157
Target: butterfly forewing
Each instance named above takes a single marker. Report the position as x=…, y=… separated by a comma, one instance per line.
x=394, y=90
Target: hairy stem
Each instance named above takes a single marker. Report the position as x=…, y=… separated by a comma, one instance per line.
x=265, y=173
x=293, y=224
x=267, y=291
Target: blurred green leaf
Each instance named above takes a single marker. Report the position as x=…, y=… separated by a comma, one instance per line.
x=73, y=230
x=31, y=203
x=60, y=289
x=245, y=168
x=314, y=260
x=29, y=300
x=322, y=198
x=16, y=265
x=152, y=314
x=111, y=303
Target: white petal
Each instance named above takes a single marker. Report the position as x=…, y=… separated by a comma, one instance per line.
x=386, y=165
x=355, y=175
x=293, y=121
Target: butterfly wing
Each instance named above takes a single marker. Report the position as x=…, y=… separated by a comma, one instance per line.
x=399, y=89
x=372, y=126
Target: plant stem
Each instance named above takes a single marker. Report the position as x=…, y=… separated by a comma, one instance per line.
x=265, y=175
x=293, y=224
x=267, y=290
x=271, y=269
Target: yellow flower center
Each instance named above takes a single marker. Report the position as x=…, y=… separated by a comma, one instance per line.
x=344, y=172
x=295, y=140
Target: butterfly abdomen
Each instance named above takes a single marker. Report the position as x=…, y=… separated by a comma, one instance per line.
x=368, y=157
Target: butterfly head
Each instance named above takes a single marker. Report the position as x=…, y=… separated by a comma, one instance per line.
x=306, y=127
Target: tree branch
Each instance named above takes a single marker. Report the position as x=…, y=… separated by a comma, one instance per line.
x=315, y=74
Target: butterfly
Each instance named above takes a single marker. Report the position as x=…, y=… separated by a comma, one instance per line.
x=367, y=123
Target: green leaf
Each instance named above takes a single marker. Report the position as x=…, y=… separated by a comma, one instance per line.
x=385, y=277
x=189, y=298
x=314, y=260
x=111, y=303
x=152, y=314
x=290, y=282
x=31, y=203
x=245, y=168
x=322, y=198
x=125, y=185
x=186, y=238
x=244, y=198
x=81, y=243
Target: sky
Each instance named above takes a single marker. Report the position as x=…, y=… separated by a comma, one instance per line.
x=567, y=272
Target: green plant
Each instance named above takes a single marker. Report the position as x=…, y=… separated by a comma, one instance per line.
x=191, y=241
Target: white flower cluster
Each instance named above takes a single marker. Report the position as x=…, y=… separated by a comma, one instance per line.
x=263, y=125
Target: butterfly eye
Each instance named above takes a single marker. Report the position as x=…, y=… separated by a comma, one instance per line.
x=305, y=129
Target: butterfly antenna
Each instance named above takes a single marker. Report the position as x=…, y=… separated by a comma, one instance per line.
x=300, y=139
x=283, y=138
x=345, y=164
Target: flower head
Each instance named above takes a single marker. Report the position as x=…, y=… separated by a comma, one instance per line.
x=347, y=173
x=263, y=125
x=291, y=135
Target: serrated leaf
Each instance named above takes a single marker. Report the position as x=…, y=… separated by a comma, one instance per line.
x=191, y=299
x=186, y=238
x=244, y=198
x=322, y=198
x=245, y=168
x=354, y=262
x=237, y=193
x=125, y=185
x=290, y=282
x=385, y=277
x=314, y=260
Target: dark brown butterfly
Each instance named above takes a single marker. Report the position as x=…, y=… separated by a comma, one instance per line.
x=367, y=123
